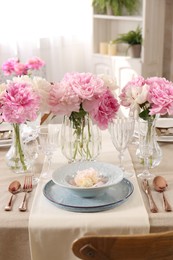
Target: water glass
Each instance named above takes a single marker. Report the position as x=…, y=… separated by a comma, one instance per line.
x=121, y=131
x=48, y=139
x=32, y=150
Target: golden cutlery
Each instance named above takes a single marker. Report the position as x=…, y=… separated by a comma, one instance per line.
x=160, y=185
x=14, y=188
x=27, y=187
x=147, y=190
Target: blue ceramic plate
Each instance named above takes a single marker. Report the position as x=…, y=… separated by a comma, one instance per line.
x=65, y=199
x=109, y=173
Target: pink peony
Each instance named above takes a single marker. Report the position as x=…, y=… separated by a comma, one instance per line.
x=2, y=89
x=85, y=85
x=150, y=97
x=90, y=105
x=35, y=63
x=23, y=97
x=160, y=96
x=138, y=82
x=8, y=66
x=41, y=86
x=106, y=110
x=2, y=93
x=14, y=66
x=84, y=93
x=20, y=103
x=20, y=69
x=63, y=100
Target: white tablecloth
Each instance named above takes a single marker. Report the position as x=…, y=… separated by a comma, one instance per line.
x=52, y=229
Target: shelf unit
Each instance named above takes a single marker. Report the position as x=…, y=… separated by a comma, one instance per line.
x=112, y=17
x=107, y=27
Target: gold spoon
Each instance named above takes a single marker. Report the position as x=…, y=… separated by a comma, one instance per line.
x=14, y=188
x=160, y=185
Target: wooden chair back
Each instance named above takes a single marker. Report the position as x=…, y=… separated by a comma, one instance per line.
x=153, y=246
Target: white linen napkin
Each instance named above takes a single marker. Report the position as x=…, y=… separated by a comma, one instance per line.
x=52, y=230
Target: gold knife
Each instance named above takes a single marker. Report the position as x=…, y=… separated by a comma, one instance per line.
x=146, y=189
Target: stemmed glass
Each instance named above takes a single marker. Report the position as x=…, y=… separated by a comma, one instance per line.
x=121, y=130
x=32, y=150
x=146, y=150
x=48, y=139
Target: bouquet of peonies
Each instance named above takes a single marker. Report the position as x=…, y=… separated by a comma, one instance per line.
x=149, y=96
x=78, y=94
x=13, y=66
x=23, y=98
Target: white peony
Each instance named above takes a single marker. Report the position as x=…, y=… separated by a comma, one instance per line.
x=42, y=87
x=109, y=81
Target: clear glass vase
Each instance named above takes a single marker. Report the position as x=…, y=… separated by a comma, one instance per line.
x=16, y=158
x=147, y=138
x=80, y=139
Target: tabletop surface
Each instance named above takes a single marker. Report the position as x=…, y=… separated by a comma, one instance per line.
x=14, y=234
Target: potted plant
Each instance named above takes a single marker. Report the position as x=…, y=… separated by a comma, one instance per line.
x=134, y=39
x=99, y=6
x=116, y=6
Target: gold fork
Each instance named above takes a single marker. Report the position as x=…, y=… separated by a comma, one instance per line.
x=27, y=187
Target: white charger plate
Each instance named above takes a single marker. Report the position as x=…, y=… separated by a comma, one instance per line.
x=164, y=122
x=165, y=139
x=5, y=143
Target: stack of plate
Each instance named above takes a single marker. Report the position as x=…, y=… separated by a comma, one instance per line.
x=5, y=135
x=63, y=193
x=164, y=129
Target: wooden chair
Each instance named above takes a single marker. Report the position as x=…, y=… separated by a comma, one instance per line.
x=153, y=246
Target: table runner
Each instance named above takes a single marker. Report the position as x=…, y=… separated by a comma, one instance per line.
x=14, y=238
x=52, y=230
x=162, y=221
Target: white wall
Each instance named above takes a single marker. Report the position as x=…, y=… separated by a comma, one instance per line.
x=168, y=42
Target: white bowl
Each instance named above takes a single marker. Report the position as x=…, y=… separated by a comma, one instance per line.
x=65, y=175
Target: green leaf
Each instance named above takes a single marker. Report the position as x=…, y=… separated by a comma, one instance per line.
x=144, y=114
x=132, y=37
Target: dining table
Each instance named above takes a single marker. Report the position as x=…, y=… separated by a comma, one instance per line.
x=47, y=229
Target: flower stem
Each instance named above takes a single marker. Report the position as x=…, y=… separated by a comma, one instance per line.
x=18, y=146
x=82, y=135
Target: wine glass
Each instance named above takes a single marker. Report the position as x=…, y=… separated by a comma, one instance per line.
x=48, y=139
x=146, y=153
x=121, y=130
x=32, y=150
x=146, y=149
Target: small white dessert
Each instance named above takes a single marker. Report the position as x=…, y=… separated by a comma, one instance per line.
x=87, y=178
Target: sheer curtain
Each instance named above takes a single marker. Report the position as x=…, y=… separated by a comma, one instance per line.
x=59, y=32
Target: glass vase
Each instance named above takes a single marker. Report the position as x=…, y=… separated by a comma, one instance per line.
x=80, y=139
x=16, y=158
x=147, y=138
